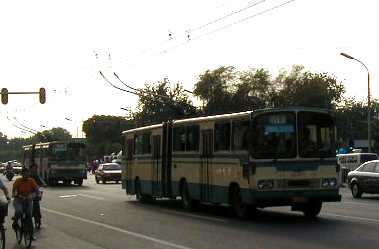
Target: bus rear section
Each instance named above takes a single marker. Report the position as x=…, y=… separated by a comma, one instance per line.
x=293, y=160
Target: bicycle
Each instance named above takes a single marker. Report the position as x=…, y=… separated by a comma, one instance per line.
x=23, y=226
x=37, y=209
x=3, y=214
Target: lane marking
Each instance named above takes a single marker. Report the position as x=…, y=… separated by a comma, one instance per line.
x=67, y=196
x=195, y=216
x=92, y=197
x=352, y=217
x=135, y=234
x=367, y=204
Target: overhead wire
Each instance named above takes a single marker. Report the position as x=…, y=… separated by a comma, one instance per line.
x=121, y=89
x=26, y=127
x=228, y=15
x=20, y=128
x=229, y=25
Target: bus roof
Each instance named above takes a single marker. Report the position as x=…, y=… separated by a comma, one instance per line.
x=46, y=144
x=235, y=115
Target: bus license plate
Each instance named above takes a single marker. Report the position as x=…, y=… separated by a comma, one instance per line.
x=299, y=199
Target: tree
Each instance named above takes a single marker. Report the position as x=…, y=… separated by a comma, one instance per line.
x=215, y=88
x=253, y=90
x=54, y=134
x=103, y=133
x=304, y=88
x=159, y=102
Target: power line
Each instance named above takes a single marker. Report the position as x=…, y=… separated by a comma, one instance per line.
x=229, y=15
x=24, y=125
x=23, y=129
x=230, y=25
x=188, y=34
x=121, y=89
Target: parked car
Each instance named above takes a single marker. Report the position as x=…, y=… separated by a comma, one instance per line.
x=108, y=172
x=364, y=179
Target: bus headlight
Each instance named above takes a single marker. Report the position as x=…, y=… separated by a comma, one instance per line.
x=265, y=184
x=329, y=182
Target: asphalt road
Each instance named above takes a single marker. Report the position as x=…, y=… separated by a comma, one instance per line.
x=98, y=216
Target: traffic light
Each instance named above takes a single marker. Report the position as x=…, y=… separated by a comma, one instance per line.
x=42, y=95
x=4, y=96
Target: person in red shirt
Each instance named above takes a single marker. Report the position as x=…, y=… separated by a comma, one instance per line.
x=24, y=189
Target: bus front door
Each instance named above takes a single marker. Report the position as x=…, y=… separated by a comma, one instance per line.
x=206, y=166
x=156, y=169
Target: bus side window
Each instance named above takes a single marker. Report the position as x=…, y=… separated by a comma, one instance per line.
x=179, y=138
x=192, y=135
x=142, y=144
x=222, y=136
x=240, y=135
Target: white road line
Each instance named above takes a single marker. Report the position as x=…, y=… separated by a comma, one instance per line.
x=92, y=197
x=195, y=216
x=135, y=234
x=67, y=196
x=352, y=217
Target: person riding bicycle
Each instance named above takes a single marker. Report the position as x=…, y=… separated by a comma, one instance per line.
x=38, y=196
x=23, y=190
x=4, y=206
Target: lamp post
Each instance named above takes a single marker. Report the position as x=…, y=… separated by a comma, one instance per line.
x=368, y=100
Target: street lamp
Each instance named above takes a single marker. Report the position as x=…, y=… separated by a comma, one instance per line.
x=368, y=100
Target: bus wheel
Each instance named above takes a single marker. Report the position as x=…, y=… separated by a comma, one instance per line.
x=79, y=182
x=355, y=190
x=312, y=209
x=187, y=202
x=238, y=208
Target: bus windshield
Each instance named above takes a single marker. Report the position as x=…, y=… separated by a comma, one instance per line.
x=274, y=135
x=316, y=135
x=70, y=151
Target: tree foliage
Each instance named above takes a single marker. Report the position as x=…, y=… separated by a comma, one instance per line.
x=103, y=133
x=159, y=102
x=304, y=88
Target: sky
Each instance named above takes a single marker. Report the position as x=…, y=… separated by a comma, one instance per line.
x=62, y=46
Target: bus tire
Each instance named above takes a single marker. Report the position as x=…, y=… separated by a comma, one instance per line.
x=312, y=209
x=238, y=208
x=356, y=190
x=186, y=200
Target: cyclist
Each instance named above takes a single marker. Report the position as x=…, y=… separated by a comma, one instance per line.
x=3, y=206
x=23, y=190
x=38, y=196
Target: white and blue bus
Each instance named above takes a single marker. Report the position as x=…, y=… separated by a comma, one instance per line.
x=271, y=157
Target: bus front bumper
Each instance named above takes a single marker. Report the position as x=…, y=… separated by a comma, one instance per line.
x=293, y=197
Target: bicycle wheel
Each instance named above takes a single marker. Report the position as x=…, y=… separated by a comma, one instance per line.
x=18, y=230
x=28, y=237
x=37, y=222
x=2, y=237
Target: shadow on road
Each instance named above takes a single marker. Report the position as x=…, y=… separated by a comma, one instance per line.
x=218, y=211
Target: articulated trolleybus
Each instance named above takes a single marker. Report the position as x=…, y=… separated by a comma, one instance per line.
x=254, y=159
x=57, y=161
